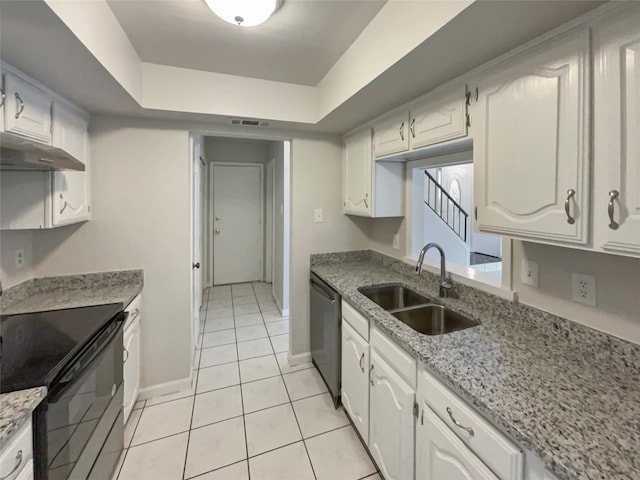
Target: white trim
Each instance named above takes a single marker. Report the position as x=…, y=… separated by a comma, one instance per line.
x=262, y=202
x=283, y=311
x=299, y=358
x=174, y=386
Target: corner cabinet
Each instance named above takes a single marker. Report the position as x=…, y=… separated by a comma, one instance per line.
x=370, y=188
x=616, y=199
x=532, y=143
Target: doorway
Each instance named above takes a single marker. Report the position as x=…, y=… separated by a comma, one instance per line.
x=237, y=222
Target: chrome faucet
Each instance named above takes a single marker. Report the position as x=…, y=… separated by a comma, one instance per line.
x=445, y=284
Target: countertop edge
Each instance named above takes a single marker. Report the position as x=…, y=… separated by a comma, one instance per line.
x=16, y=409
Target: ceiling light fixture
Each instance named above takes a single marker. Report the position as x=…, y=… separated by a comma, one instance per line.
x=244, y=13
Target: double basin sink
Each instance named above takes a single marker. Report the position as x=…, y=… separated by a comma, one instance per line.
x=417, y=311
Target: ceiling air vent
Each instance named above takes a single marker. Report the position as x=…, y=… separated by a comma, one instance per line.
x=249, y=123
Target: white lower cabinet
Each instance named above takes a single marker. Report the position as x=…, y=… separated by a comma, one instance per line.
x=441, y=455
x=131, y=368
x=16, y=458
x=391, y=424
x=355, y=379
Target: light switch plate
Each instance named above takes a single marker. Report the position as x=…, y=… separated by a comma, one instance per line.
x=19, y=258
x=318, y=215
x=583, y=288
x=529, y=273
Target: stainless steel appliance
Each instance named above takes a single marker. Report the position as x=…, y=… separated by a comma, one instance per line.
x=326, y=317
x=77, y=353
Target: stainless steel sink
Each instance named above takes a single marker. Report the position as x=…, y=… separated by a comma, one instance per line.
x=434, y=320
x=393, y=297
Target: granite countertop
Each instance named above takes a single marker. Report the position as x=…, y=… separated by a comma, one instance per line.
x=56, y=293
x=566, y=392
x=71, y=291
x=15, y=410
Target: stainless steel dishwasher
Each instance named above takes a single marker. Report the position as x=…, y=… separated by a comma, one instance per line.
x=326, y=317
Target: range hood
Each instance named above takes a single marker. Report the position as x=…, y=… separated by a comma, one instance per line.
x=17, y=153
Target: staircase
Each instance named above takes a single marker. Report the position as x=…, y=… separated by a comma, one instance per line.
x=445, y=207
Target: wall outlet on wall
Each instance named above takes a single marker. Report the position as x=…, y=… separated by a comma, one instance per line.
x=584, y=288
x=396, y=241
x=19, y=257
x=529, y=273
x=318, y=215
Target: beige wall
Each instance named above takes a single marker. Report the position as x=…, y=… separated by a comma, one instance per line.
x=10, y=241
x=316, y=182
x=279, y=277
x=223, y=149
x=140, y=219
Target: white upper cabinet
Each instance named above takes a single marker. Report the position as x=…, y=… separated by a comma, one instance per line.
x=617, y=134
x=69, y=131
x=391, y=135
x=370, y=188
x=531, y=143
x=27, y=110
x=439, y=118
x=357, y=173
x=71, y=197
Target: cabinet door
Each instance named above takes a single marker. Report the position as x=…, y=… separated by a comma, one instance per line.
x=441, y=455
x=131, y=369
x=391, y=135
x=27, y=110
x=531, y=144
x=439, y=119
x=71, y=196
x=357, y=174
x=355, y=379
x=617, y=133
x=69, y=131
x=391, y=424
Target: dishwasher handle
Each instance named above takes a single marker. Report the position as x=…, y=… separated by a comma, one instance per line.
x=323, y=292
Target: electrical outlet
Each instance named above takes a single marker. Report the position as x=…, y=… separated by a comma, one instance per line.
x=318, y=215
x=529, y=273
x=584, y=288
x=19, y=258
x=396, y=241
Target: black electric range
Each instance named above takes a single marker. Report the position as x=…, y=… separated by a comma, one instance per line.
x=77, y=354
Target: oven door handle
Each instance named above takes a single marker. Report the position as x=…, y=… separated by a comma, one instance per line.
x=69, y=375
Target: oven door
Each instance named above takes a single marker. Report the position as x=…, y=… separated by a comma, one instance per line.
x=79, y=427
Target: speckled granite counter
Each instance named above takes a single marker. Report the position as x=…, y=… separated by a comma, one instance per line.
x=566, y=392
x=15, y=411
x=54, y=293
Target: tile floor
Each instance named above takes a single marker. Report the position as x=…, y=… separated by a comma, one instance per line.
x=249, y=414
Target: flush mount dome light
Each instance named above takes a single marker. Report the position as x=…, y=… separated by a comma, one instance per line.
x=245, y=13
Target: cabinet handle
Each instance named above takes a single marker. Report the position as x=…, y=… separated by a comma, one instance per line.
x=127, y=355
x=413, y=128
x=371, y=374
x=422, y=417
x=2, y=97
x=402, y=131
x=14, y=469
x=361, y=360
x=570, y=194
x=613, y=194
x=21, y=107
x=136, y=312
x=457, y=424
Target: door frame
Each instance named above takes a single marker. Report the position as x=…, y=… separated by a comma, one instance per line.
x=195, y=162
x=211, y=198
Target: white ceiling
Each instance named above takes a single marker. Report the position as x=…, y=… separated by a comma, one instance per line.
x=298, y=44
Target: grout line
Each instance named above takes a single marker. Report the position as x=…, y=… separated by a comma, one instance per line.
x=219, y=468
x=160, y=438
x=244, y=421
x=329, y=431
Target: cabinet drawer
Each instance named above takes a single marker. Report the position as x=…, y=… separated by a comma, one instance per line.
x=491, y=446
x=17, y=454
x=356, y=320
x=403, y=363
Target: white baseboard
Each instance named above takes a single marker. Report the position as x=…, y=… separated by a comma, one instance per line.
x=166, y=388
x=283, y=311
x=299, y=358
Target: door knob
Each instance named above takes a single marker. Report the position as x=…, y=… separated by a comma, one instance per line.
x=217, y=231
x=196, y=265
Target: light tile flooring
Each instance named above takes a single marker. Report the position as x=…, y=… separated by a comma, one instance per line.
x=250, y=414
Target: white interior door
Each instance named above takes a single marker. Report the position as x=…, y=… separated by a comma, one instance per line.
x=237, y=225
x=196, y=277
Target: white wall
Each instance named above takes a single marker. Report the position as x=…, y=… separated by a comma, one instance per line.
x=243, y=150
x=316, y=182
x=281, y=214
x=10, y=241
x=140, y=219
